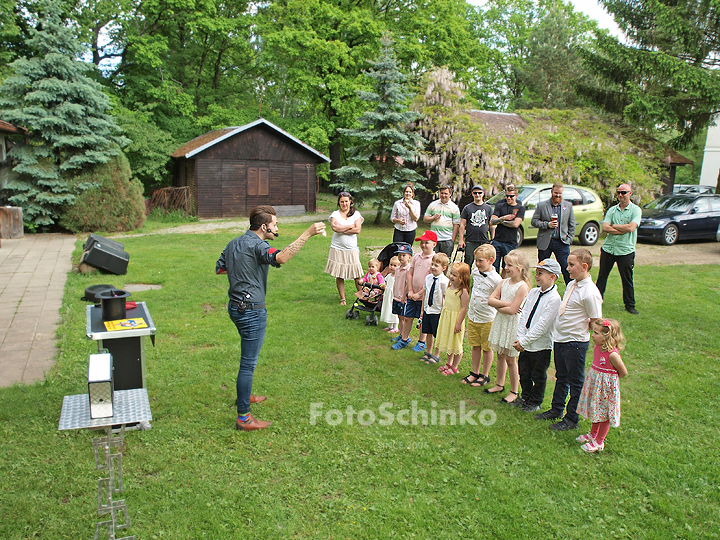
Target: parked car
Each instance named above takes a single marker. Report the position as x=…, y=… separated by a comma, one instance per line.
x=693, y=188
x=587, y=207
x=680, y=216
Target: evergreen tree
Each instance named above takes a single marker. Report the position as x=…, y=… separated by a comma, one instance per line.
x=52, y=96
x=376, y=171
x=666, y=78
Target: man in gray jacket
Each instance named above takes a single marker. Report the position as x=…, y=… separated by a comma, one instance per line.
x=555, y=221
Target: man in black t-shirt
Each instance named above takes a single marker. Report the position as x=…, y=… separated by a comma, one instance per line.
x=508, y=216
x=474, y=225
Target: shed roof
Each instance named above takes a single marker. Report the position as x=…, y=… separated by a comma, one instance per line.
x=6, y=127
x=203, y=142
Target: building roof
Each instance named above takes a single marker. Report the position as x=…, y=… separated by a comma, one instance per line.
x=504, y=122
x=203, y=142
x=5, y=127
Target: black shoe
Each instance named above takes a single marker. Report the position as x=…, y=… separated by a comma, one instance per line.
x=520, y=402
x=530, y=408
x=632, y=310
x=548, y=415
x=564, y=425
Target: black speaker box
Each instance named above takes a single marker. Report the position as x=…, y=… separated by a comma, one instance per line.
x=106, y=258
x=97, y=239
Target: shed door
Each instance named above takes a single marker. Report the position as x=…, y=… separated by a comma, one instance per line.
x=233, y=183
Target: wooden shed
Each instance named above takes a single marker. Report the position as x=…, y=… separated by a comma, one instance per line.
x=232, y=170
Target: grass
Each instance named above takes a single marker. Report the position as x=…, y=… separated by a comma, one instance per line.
x=194, y=476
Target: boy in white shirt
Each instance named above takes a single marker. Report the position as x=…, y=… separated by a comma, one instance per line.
x=481, y=315
x=534, y=342
x=436, y=282
x=581, y=306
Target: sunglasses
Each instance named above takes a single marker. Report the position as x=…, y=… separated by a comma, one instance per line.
x=619, y=192
x=510, y=196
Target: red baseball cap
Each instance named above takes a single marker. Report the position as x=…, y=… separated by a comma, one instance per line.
x=427, y=235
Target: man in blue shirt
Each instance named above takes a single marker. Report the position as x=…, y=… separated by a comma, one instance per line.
x=246, y=260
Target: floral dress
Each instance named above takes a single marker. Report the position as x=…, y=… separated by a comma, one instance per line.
x=600, y=396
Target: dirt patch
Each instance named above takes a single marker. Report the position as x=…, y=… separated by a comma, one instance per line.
x=645, y=254
x=655, y=255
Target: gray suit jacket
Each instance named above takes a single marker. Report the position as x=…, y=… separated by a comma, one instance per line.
x=541, y=218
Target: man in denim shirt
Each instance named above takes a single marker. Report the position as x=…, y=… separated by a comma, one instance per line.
x=246, y=260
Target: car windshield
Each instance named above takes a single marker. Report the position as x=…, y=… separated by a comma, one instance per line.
x=671, y=203
x=523, y=193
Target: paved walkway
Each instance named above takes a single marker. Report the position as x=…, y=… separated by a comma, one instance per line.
x=33, y=271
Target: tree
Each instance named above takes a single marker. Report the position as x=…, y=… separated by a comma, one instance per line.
x=666, y=78
x=553, y=67
x=51, y=95
x=377, y=169
x=535, y=57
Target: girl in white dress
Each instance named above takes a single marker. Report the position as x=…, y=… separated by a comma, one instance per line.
x=386, y=314
x=508, y=298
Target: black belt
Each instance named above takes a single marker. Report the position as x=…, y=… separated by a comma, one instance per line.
x=243, y=306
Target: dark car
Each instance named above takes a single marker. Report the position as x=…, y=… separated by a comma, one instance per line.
x=680, y=216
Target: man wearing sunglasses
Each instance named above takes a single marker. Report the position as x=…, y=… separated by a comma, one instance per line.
x=620, y=223
x=508, y=215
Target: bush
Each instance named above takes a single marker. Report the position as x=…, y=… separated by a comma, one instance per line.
x=115, y=204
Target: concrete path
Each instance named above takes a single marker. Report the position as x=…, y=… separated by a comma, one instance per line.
x=33, y=271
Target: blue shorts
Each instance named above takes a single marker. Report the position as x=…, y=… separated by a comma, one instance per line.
x=397, y=307
x=413, y=309
x=430, y=323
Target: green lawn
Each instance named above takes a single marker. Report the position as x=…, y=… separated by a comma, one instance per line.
x=194, y=476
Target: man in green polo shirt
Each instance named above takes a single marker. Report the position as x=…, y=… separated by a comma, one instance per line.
x=620, y=223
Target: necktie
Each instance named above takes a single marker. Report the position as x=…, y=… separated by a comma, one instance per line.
x=432, y=292
x=557, y=209
x=532, y=312
x=568, y=292
x=483, y=274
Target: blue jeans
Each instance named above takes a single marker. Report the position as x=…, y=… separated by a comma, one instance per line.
x=251, y=326
x=561, y=251
x=570, y=375
x=501, y=249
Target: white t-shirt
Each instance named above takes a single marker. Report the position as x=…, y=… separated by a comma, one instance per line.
x=483, y=286
x=341, y=241
x=585, y=303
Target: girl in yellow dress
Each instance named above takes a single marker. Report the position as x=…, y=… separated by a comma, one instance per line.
x=451, y=328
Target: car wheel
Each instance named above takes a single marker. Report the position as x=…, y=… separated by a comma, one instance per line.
x=520, y=236
x=670, y=235
x=589, y=234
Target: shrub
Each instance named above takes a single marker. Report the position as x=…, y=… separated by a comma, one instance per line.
x=115, y=204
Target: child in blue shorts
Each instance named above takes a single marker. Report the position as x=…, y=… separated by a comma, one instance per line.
x=436, y=283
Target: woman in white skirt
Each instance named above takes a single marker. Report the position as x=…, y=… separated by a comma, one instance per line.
x=344, y=259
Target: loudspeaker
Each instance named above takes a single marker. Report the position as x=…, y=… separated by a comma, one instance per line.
x=97, y=239
x=106, y=258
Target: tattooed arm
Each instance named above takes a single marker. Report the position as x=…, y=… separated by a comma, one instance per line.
x=290, y=251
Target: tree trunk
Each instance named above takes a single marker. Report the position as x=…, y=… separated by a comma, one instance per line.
x=335, y=156
x=378, y=216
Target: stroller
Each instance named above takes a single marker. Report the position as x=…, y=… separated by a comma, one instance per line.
x=369, y=301
x=373, y=304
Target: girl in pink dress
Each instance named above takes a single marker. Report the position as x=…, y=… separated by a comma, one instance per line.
x=600, y=397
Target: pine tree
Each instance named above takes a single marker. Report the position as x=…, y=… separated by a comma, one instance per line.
x=64, y=110
x=376, y=171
